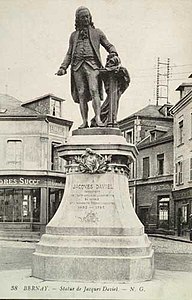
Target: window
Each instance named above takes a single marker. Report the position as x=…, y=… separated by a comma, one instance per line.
x=144, y=216
x=55, y=108
x=56, y=161
x=167, y=113
x=129, y=136
x=153, y=136
x=180, y=135
x=163, y=211
x=184, y=213
x=179, y=172
x=14, y=154
x=55, y=197
x=160, y=164
x=146, y=167
x=19, y=205
x=131, y=168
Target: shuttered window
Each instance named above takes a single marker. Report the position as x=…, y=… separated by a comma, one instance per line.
x=160, y=164
x=146, y=167
x=14, y=154
x=179, y=172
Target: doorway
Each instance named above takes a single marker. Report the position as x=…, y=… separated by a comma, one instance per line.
x=144, y=216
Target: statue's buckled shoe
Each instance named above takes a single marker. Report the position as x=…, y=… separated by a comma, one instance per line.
x=84, y=125
x=100, y=124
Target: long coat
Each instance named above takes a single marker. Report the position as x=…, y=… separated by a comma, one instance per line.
x=97, y=38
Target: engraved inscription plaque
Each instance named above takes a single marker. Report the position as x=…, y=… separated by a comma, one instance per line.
x=91, y=199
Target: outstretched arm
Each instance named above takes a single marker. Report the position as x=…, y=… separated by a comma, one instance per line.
x=67, y=60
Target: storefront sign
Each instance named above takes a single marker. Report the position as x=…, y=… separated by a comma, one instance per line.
x=160, y=187
x=55, y=182
x=19, y=181
x=31, y=181
x=182, y=194
x=60, y=130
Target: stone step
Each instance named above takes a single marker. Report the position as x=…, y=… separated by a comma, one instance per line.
x=117, y=246
x=94, y=251
x=15, y=226
x=19, y=235
x=19, y=239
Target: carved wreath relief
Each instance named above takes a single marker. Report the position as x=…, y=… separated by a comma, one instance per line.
x=91, y=162
x=91, y=217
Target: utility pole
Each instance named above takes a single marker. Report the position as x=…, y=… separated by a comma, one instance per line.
x=162, y=86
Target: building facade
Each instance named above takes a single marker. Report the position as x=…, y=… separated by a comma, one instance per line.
x=154, y=182
x=182, y=191
x=151, y=178
x=32, y=175
x=137, y=126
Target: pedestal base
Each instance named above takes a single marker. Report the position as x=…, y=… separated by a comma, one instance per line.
x=95, y=234
x=93, y=258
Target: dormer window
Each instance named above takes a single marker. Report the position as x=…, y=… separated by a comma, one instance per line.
x=129, y=136
x=184, y=89
x=55, y=108
x=165, y=110
x=168, y=112
x=153, y=136
x=48, y=104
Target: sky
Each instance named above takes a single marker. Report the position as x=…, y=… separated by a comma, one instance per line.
x=34, y=37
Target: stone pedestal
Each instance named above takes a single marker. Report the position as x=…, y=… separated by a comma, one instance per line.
x=95, y=234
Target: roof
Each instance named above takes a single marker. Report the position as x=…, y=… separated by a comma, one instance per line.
x=49, y=95
x=184, y=84
x=13, y=108
x=148, y=111
x=146, y=142
x=10, y=106
x=160, y=129
x=182, y=102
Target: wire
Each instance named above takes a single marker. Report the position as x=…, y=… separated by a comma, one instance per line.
x=171, y=66
x=179, y=73
x=177, y=66
x=177, y=79
x=171, y=74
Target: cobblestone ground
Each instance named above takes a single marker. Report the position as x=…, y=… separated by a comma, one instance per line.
x=169, y=255
x=15, y=255
x=172, y=255
x=169, y=246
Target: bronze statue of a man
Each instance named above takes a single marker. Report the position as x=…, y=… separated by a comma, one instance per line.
x=84, y=56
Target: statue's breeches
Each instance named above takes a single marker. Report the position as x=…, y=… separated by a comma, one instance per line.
x=86, y=81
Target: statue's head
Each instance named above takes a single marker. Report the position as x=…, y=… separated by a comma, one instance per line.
x=83, y=18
